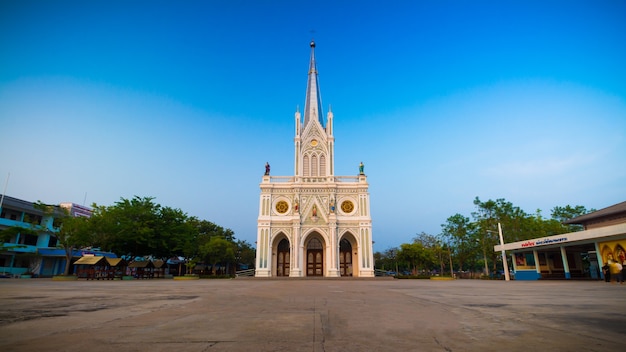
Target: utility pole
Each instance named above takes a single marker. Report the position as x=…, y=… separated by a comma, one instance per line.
x=505, y=264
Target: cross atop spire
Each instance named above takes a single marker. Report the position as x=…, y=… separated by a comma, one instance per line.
x=313, y=103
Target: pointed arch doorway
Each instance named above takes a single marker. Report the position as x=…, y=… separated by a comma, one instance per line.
x=345, y=258
x=283, y=261
x=314, y=258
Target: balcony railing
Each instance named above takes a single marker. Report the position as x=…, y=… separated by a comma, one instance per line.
x=319, y=179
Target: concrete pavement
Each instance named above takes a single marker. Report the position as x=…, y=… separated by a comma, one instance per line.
x=311, y=315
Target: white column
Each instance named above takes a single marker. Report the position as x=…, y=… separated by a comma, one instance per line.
x=264, y=253
x=334, y=249
x=296, y=270
x=565, y=263
x=537, y=265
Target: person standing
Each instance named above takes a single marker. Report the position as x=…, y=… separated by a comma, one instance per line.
x=606, y=272
x=616, y=271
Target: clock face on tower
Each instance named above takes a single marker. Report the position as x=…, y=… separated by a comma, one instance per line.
x=347, y=206
x=282, y=207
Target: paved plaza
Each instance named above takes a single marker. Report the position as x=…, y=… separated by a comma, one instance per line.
x=311, y=315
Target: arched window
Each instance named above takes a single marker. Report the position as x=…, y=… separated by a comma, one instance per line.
x=305, y=166
x=314, y=165
x=322, y=165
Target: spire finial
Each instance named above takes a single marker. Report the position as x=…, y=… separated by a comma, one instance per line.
x=313, y=102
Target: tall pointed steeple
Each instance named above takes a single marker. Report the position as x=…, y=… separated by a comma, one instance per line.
x=314, y=208
x=313, y=103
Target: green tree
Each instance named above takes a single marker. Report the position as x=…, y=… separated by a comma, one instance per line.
x=172, y=230
x=218, y=250
x=134, y=223
x=245, y=254
x=416, y=255
x=562, y=214
x=387, y=260
x=141, y=227
x=201, y=233
x=433, y=245
x=104, y=229
x=459, y=232
x=73, y=233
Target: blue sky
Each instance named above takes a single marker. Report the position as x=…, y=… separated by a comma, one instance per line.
x=442, y=100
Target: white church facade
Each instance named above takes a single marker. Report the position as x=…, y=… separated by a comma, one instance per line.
x=314, y=223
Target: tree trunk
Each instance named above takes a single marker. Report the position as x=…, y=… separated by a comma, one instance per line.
x=68, y=260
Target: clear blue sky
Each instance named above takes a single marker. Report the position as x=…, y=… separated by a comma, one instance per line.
x=443, y=101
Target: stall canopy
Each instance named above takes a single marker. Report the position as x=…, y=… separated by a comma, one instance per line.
x=116, y=262
x=91, y=260
x=141, y=264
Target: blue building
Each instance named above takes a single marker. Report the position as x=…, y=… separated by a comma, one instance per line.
x=34, y=250
x=574, y=255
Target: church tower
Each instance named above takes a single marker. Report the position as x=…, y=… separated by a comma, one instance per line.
x=314, y=223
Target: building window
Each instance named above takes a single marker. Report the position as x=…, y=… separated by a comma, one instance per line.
x=33, y=219
x=52, y=242
x=28, y=240
x=305, y=166
x=314, y=165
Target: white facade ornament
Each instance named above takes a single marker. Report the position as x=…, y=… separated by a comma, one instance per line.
x=314, y=223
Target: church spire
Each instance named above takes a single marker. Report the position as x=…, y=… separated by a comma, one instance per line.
x=313, y=103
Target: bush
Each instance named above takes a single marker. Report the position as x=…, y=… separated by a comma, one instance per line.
x=216, y=276
x=422, y=276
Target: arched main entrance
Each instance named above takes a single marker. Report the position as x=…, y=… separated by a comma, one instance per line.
x=345, y=258
x=315, y=258
x=282, y=260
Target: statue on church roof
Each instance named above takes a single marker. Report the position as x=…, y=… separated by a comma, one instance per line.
x=361, y=167
x=267, y=169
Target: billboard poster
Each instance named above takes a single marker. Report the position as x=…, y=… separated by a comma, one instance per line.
x=613, y=256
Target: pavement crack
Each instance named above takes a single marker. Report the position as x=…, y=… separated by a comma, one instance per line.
x=441, y=345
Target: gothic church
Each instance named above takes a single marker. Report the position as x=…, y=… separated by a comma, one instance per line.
x=314, y=223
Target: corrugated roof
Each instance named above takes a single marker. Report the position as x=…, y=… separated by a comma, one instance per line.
x=612, y=210
x=90, y=260
x=116, y=261
x=141, y=264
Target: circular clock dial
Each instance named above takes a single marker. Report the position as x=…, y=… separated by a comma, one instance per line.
x=347, y=206
x=282, y=207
